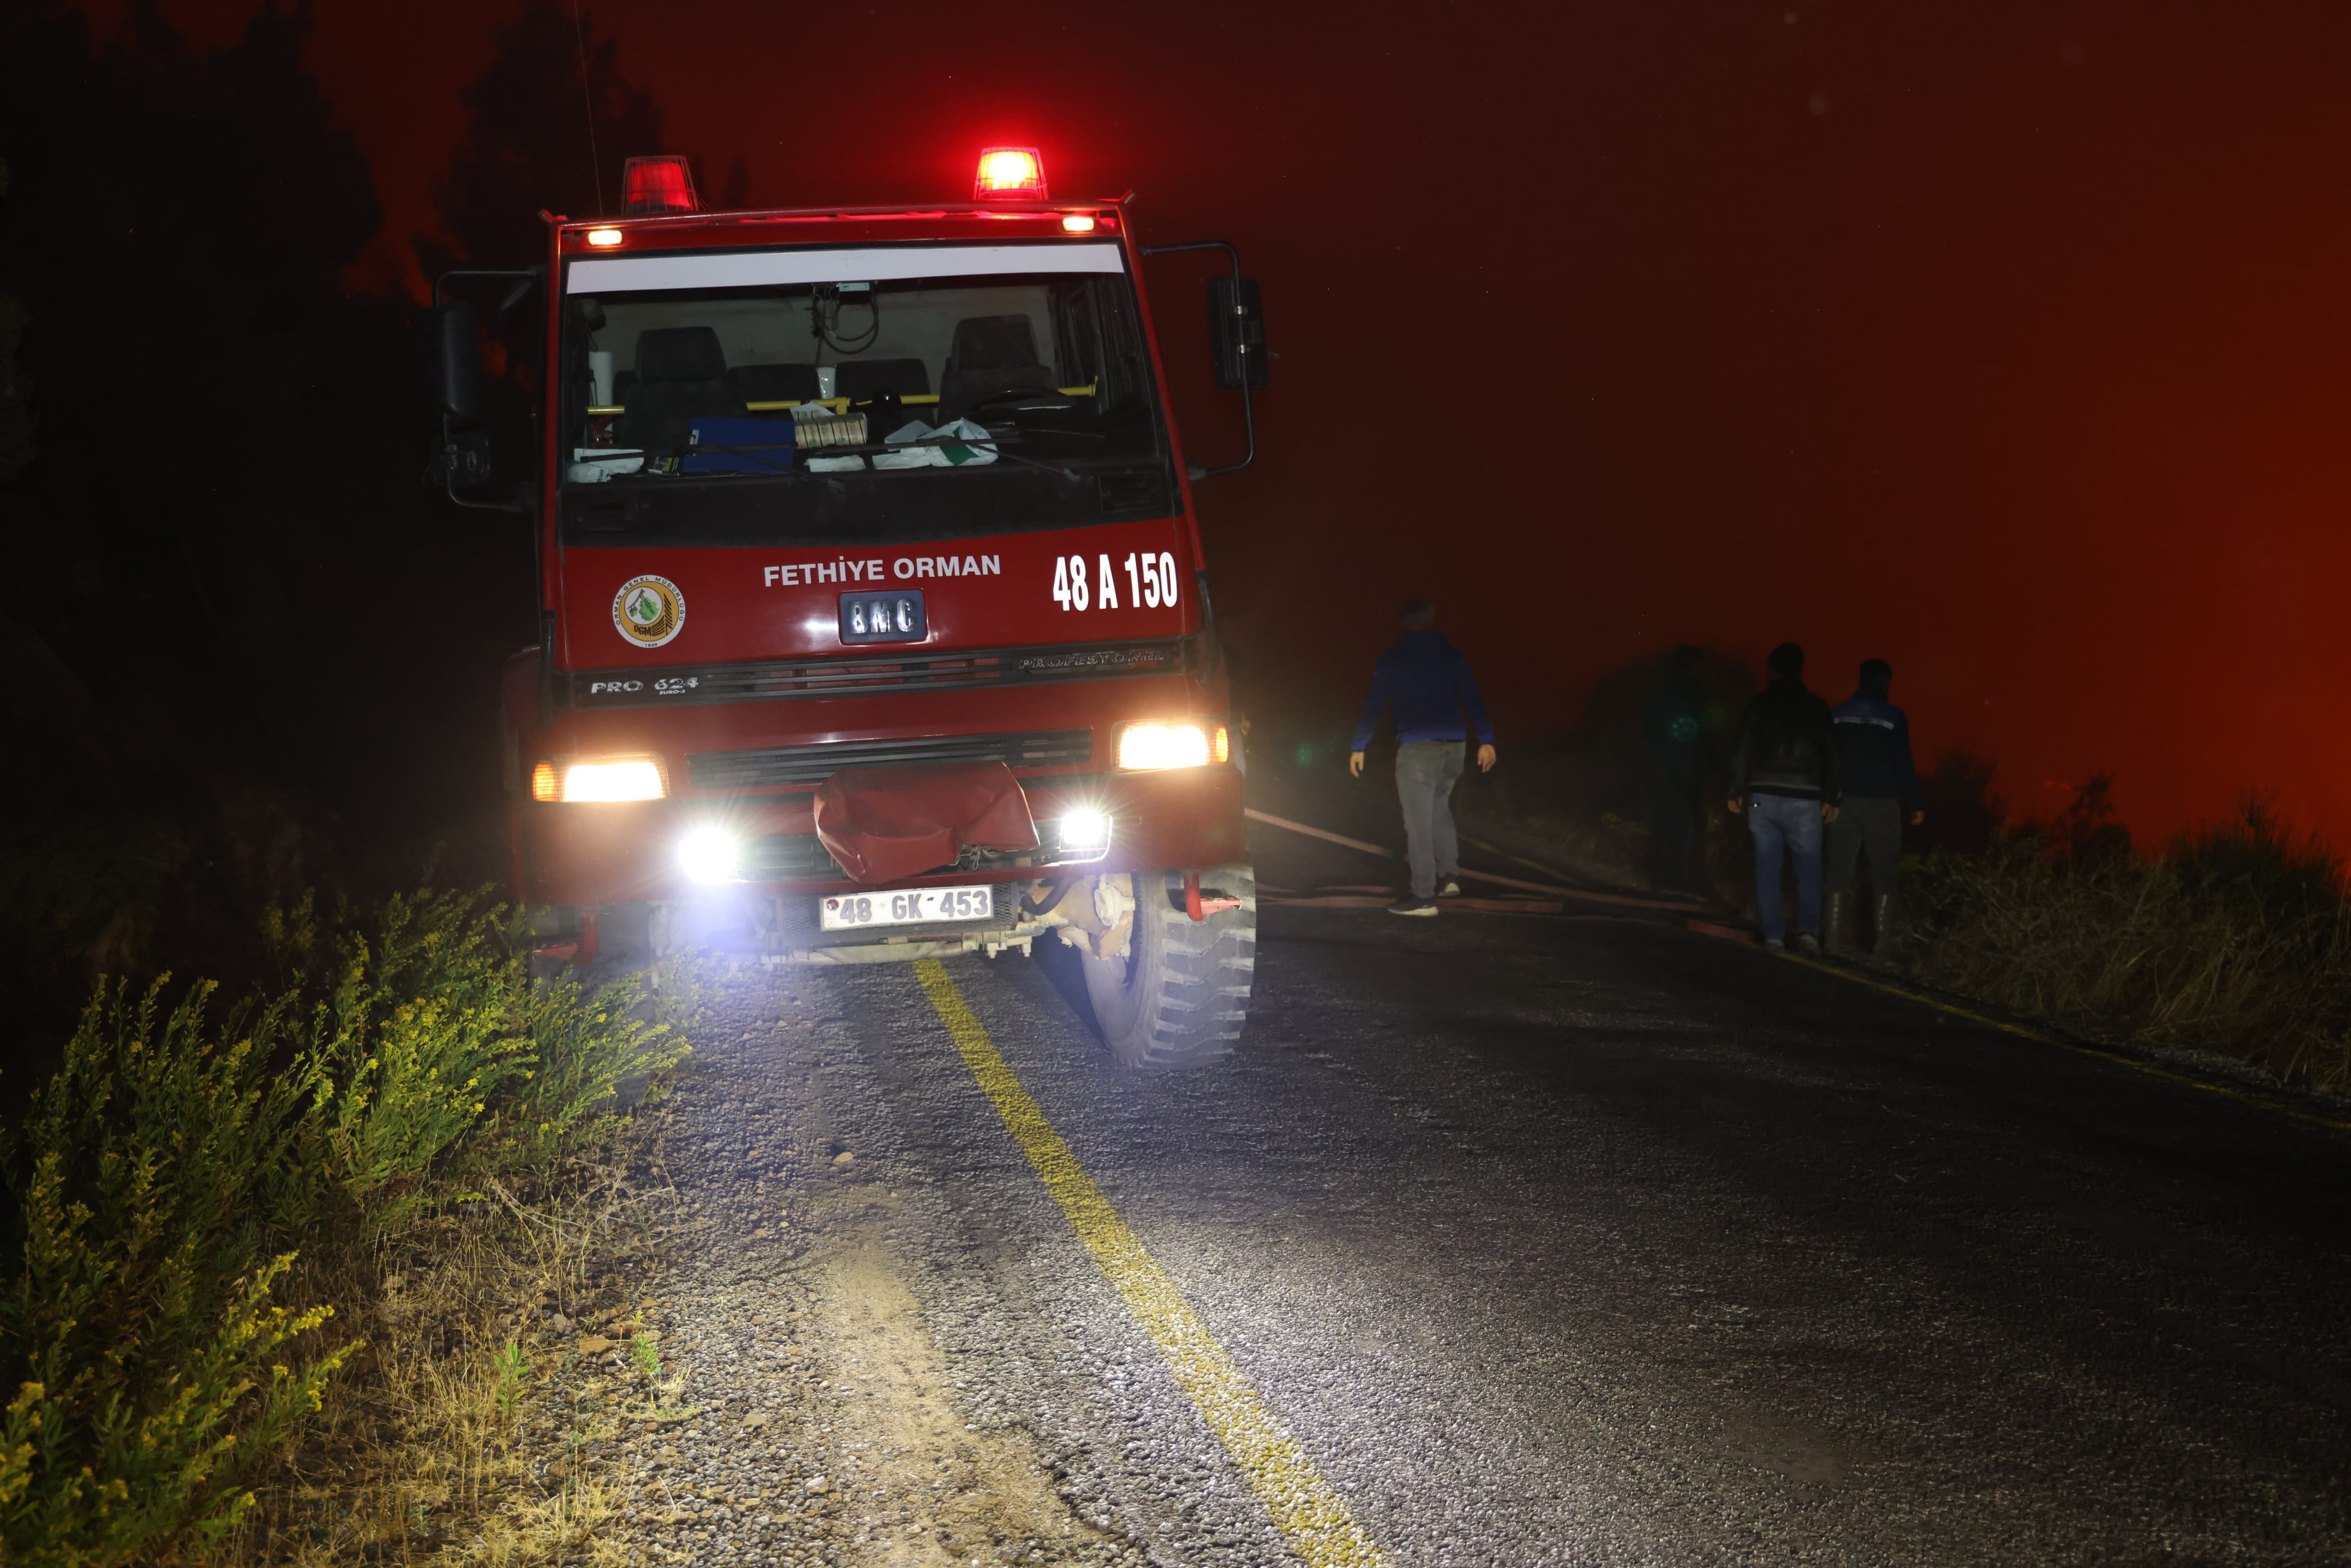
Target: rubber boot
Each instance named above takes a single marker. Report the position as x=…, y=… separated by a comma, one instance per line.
x=1832, y=923
x=1881, y=931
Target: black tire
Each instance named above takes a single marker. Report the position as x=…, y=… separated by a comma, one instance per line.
x=1181, y=994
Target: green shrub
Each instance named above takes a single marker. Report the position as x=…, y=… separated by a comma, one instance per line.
x=513, y=1367
x=148, y=1188
x=435, y=1060
x=590, y=1049
x=408, y=1036
x=169, y=1174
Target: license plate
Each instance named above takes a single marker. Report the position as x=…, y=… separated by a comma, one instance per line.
x=909, y=907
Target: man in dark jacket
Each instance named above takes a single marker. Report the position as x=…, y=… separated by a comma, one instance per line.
x=1881, y=789
x=1784, y=777
x=1427, y=682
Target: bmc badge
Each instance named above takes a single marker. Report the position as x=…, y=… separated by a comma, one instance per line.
x=649, y=610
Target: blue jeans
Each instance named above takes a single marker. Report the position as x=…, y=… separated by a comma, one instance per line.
x=1778, y=820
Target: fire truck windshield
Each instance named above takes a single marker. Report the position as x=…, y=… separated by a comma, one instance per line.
x=753, y=398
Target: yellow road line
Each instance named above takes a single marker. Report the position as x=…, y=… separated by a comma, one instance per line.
x=1317, y=1525
x=2038, y=1036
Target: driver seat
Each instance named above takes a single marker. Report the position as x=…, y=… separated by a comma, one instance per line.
x=681, y=377
x=990, y=354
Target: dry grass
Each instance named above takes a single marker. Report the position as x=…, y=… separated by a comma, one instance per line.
x=2235, y=941
x=438, y=1443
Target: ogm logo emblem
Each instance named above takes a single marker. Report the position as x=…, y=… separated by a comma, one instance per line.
x=649, y=610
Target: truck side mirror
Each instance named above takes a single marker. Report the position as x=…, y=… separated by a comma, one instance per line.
x=1236, y=339
x=461, y=458
x=1237, y=332
x=453, y=370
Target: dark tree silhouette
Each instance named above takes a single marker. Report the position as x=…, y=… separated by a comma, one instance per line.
x=528, y=142
x=1964, y=810
x=178, y=490
x=175, y=225
x=2085, y=832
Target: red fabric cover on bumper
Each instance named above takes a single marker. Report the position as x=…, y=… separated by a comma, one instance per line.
x=882, y=824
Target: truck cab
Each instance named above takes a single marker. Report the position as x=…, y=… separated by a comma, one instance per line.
x=874, y=620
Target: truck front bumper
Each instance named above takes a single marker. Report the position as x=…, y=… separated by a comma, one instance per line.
x=588, y=856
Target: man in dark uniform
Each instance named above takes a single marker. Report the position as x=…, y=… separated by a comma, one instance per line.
x=1881, y=792
x=1785, y=778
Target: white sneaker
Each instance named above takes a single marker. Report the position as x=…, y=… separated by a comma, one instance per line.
x=1451, y=888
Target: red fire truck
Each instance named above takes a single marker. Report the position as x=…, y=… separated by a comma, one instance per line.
x=874, y=620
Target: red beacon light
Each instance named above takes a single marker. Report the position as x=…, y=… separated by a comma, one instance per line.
x=656, y=185
x=1009, y=174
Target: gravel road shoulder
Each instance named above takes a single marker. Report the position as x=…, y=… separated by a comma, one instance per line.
x=860, y=1361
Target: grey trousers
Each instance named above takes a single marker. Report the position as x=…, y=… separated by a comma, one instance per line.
x=1426, y=772
x=1870, y=822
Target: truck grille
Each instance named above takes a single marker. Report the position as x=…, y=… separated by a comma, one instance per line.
x=814, y=764
x=802, y=857
x=789, y=857
x=678, y=685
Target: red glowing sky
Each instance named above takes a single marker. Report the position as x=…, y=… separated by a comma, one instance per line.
x=2010, y=342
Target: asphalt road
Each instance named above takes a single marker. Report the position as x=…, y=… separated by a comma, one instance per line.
x=1548, y=1240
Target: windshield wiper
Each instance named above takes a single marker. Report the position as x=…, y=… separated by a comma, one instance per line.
x=989, y=443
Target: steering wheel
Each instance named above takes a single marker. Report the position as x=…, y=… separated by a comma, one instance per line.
x=1011, y=395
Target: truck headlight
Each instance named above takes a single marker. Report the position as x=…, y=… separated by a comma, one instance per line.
x=1083, y=831
x=599, y=778
x=1143, y=748
x=710, y=854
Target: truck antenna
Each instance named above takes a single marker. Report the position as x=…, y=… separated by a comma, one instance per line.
x=588, y=98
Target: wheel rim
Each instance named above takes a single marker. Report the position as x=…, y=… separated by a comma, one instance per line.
x=1118, y=979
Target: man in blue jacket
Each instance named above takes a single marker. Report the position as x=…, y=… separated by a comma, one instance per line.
x=1881, y=790
x=1427, y=682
